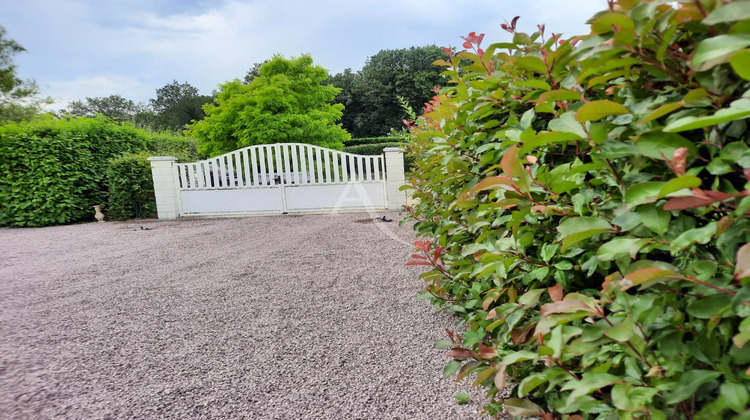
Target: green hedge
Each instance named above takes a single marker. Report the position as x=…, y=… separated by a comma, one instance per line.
x=371, y=149
x=372, y=140
x=584, y=211
x=131, y=187
x=54, y=170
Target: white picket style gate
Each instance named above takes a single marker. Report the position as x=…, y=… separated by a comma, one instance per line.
x=278, y=178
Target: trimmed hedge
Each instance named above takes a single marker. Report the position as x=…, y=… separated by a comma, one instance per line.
x=372, y=140
x=371, y=149
x=54, y=170
x=131, y=187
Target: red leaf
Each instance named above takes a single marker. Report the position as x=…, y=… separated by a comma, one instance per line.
x=437, y=253
x=556, y=292
x=742, y=266
x=513, y=22
x=487, y=352
x=700, y=198
x=747, y=174
x=448, y=51
x=520, y=334
x=563, y=306
x=460, y=354
x=678, y=161
x=423, y=245
x=418, y=262
x=467, y=44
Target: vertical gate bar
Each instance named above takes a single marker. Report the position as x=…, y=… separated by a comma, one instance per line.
x=287, y=164
x=344, y=172
x=246, y=167
x=327, y=167
x=319, y=165
x=310, y=169
x=293, y=149
x=196, y=168
x=360, y=169
x=272, y=157
x=190, y=176
x=303, y=164
x=368, y=167
x=207, y=168
x=254, y=166
x=181, y=177
x=230, y=170
x=352, y=171
x=262, y=161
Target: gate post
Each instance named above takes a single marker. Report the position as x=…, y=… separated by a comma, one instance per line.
x=165, y=186
x=394, y=173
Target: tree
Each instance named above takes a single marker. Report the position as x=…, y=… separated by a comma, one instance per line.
x=371, y=95
x=18, y=100
x=284, y=103
x=254, y=72
x=177, y=105
x=113, y=106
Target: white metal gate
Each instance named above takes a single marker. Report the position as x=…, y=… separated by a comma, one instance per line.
x=279, y=178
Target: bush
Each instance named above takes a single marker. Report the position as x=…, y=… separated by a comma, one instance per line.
x=584, y=212
x=54, y=170
x=131, y=187
x=372, y=140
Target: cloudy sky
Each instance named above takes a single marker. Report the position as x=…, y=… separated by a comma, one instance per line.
x=94, y=48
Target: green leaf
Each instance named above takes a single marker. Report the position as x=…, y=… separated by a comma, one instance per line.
x=712, y=50
x=737, y=110
x=697, y=235
x=559, y=95
x=533, y=83
x=645, y=192
x=532, y=63
x=740, y=62
x=654, y=145
x=443, y=344
x=547, y=137
x=596, y=110
x=590, y=382
x=654, y=218
x=579, y=224
x=630, y=398
x=604, y=23
x=707, y=307
x=679, y=183
x=531, y=297
x=735, y=395
x=621, y=332
x=573, y=239
x=461, y=398
x=689, y=383
x=451, y=368
x=732, y=12
x=567, y=123
x=620, y=247
x=519, y=356
x=521, y=407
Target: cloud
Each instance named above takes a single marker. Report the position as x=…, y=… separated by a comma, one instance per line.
x=66, y=91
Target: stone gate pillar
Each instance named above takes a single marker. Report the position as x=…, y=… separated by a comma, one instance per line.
x=394, y=173
x=165, y=186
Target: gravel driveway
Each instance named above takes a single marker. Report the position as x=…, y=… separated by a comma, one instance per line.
x=278, y=317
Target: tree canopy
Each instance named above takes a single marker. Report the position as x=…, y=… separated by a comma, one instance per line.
x=18, y=98
x=177, y=105
x=370, y=96
x=113, y=106
x=285, y=102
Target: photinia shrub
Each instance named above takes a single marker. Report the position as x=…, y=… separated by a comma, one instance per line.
x=584, y=211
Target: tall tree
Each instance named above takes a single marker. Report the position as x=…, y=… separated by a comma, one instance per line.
x=371, y=95
x=113, y=106
x=254, y=72
x=284, y=103
x=18, y=98
x=177, y=105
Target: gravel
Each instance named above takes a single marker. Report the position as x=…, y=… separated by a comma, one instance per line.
x=278, y=317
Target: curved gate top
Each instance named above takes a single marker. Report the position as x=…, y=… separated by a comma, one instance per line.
x=278, y=178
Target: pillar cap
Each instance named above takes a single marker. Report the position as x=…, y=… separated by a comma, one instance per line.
x=394, y=149
x=161, y=158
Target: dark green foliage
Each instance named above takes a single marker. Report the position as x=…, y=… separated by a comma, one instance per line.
x=131, y=187
x=585, y=208
x=54, y=171
x=372, y=140
x=371, y=149
x=176, y=105
x=370, y=96
x=18, y=100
